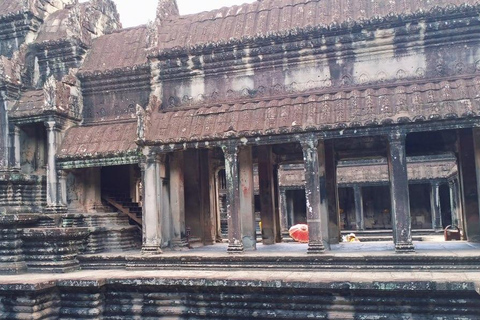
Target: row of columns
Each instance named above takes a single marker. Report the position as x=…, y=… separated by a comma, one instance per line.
x=56, y=180
x=240, y=211
x=436, y=211
x=239, y=194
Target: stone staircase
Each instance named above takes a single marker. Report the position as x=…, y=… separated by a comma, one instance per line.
x=111, y=232
x=124, y=204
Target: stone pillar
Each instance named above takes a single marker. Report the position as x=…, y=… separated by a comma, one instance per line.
x=473, y=218
x=454, y=201
x=267, y=194
x=397, y=167
x=315, y=192
x=93, y=189
x=206, y=189
x=235, y=244
x=151, y=227
x=283, y=210
x=177, y=200
x=53, y=204
x=435, y=205
x=331, y=227
x=163, y=201
x=15, y=161
x=4, y=134
x=359, y=217
x=468, y=165
x=62, y=191
x=246, y=202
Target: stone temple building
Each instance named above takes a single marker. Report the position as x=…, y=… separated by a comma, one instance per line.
x=96, y=118
x=341, y=114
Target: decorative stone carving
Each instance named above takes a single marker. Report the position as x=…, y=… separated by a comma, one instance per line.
x=49, y=91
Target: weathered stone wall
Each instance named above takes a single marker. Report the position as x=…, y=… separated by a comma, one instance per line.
x=400, y=51
x=33, y=155
x=22, y=193
x=115, y=98
x=187, y=298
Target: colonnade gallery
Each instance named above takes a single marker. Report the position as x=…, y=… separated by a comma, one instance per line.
x=235, y=124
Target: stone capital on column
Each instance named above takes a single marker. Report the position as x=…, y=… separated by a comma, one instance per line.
x=230, y=149
x=309, y=145
x=53, y=125
x=397, y=137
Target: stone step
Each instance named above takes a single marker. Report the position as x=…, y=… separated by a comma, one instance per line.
x=374, y=262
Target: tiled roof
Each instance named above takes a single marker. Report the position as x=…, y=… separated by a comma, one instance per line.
x=10, y=6
x=118, y=50
x=30, y=103
x=97, y=141
x=54, y=27
x=276, y=16
x=7, y=71
x=356, y=107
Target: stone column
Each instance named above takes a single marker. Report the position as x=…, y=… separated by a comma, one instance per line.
x=151, y=227
x=315, y=192
x=283, y=210
x=397, y=167
x=53, y=132
x=93, y=191
x=331, y=229
x=62, y=182
x=15, y=161
x=359, y=217
x=267, y=194
x=246, y=202
x=468, y=168
x=163, y=201
x=454, y=201
x=177, y=200
x=435, y=205
x=4, y=132
x=206, y=190
x=473, y=218
x=235, y=244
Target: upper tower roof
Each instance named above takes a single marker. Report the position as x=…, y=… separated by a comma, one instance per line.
x=266, y=17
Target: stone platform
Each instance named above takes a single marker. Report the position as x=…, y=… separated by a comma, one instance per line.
x=441, y=280
x=245, y=294
x=292, y=256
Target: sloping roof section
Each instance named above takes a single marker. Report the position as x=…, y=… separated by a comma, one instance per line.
x=30, y=103
x=10, y=6
x=83, y=21
x=39, y=7
x=265, y=17
x=9, y=71
x=106, y=140
x=119, y=50
x=353, y=108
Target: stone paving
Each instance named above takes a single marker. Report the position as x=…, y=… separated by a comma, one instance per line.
x=341, y=249
x=458, y=249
